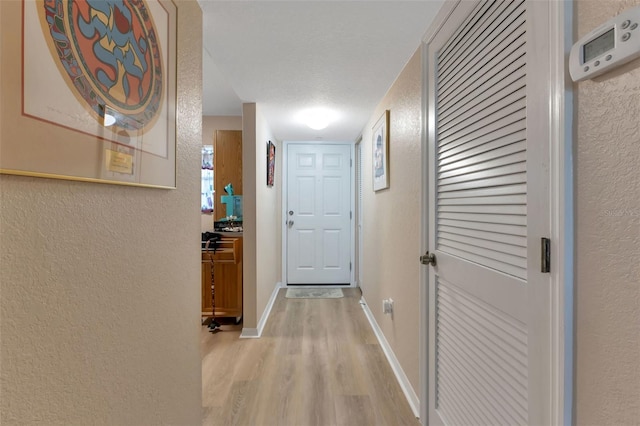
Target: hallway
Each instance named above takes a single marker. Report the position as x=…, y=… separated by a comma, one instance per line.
x=317, y=363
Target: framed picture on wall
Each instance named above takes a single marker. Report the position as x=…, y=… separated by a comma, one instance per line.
x=380, y=150
x=91, y=91
x=271, y=163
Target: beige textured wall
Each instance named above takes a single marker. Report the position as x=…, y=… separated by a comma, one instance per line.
x=269, y=237
x=391, y=221
x=210, y=124
x=249, y=217
x=262, y=262
x=100, y=286
x=607, y=236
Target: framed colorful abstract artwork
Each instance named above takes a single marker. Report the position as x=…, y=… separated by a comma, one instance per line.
x=89, y=90
x=271, y=163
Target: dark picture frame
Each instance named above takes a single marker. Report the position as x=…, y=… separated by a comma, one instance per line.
x=271, y=163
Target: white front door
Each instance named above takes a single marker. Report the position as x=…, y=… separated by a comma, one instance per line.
x=318, y=214
x=489, y=301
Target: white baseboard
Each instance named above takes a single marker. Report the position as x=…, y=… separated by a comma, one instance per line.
x=317, y=285
x=255, y=333
x=405, y=385
x=267, y=310
x=249, y=333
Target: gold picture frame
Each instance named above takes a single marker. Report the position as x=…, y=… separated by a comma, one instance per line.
x=89, y=90
x=380, y=152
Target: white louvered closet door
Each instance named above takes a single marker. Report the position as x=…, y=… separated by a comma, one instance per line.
x=488, y=199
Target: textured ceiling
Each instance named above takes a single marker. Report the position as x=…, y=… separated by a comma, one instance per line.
x=288, y=56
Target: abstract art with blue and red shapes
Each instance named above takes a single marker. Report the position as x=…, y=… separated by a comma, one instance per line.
x=110, y=54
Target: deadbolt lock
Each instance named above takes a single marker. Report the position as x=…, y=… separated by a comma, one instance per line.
x=428, y=259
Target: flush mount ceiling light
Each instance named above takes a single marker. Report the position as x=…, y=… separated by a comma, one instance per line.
x=317, y=118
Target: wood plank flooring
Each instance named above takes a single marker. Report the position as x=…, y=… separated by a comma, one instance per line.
x=317, y=363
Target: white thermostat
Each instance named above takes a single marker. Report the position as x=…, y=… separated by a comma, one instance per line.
x=613, y=43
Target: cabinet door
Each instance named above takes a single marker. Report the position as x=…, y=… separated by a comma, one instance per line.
x=228, y=279
x=228, y=289
x=207, y=306
x=227, y=157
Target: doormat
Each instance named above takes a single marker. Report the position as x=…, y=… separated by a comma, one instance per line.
x=314, y=293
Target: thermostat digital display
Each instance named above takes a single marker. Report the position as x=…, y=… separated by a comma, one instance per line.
x=611, y=44
x=599, y=45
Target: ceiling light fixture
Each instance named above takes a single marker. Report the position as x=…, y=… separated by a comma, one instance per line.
x=317, y=118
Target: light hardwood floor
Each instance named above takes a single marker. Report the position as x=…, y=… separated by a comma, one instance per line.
x=317, y=363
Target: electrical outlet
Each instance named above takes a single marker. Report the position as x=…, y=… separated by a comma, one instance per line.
x=387, y=306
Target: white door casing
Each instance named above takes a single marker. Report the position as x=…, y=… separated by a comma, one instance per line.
x=359, y=164
x=318, y=214
x=489, y=127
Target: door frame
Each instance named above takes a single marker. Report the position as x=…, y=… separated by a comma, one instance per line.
x=285, y=188
x=358, y=164
x=561, y=20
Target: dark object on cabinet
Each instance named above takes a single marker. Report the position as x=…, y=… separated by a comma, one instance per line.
x=213, y=238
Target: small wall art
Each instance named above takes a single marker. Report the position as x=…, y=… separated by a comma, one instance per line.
x=271, y=163
x=380, y=149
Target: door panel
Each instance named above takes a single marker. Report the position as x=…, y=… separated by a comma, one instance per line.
x=319, y=228
x=489, y=339
x=331, y=196
x=483, y=358
x=305, y=254
x=331, y=247
x=306, y=186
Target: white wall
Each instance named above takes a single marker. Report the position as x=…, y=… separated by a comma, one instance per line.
x=100, y=284
x=607, y=171
x=210, y=124
x=261, y=217
x=391, y=221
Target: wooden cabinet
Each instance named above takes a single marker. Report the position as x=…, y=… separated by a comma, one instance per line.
x=227, y=158
x=227, y=268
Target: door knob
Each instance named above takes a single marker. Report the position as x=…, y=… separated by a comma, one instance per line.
x=428, y=259
x=290, y=223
